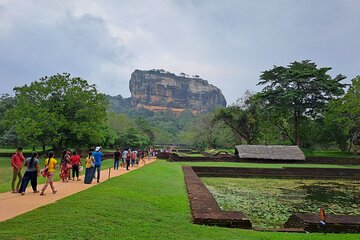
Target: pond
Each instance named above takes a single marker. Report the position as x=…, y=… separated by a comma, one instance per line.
x=269, y=202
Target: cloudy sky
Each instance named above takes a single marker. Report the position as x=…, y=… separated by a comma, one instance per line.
x=227, y=42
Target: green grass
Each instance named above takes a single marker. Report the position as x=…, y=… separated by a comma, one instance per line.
x=265, y=165
x=318, y=153
x=190, y=154
x=6, y=172
x=25, y=150
x=150, y=203
x=270, y=202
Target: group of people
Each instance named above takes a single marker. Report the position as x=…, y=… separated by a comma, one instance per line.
x=69, y=162
x=129, y=158
x=32, y=172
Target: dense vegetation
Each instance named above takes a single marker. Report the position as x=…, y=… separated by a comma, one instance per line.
x=299, y=104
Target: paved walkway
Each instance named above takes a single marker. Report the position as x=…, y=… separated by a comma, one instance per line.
x=12, y=205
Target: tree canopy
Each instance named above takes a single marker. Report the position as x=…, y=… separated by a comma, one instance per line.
x=297, y=91
x=59, y=110
x=344, y=113
x=241, y=118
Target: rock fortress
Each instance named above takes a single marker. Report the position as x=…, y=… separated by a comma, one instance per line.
x=159, y=90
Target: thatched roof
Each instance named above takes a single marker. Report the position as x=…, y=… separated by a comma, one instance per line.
x=272, y=152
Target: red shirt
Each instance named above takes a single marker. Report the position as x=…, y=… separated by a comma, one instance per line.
x=75, y=160
x=17, y=161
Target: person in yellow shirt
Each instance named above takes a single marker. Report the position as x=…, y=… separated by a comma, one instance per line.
x=50, y=164
x=89, y=171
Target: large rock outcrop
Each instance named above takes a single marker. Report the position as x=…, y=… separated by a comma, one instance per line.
x=157, y=90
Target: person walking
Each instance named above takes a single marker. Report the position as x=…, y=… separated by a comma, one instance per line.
x=89, y=168
x=117, y=156
x=124, y=156
x=133, y=158
x=98, y=158
x=75, y=163
x=149, y=154
x=16, y=162
x=128, y=158
x=50, y=164
x=31, y=173
x=143, y=156
x=65, y=166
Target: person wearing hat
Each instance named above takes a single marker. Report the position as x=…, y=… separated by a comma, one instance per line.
x=98, y=158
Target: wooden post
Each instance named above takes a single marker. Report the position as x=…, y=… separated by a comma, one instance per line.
x=109, y=172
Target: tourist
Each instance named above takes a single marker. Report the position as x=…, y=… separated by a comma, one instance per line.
x=117, y=155
x=65, y=166
x=89, y=171
x=143, y=156
x=128, y=158
x=50, y=165
x=31, y=173
x=75, y=163
x=149, y=154
x=16, y=162
x=133, y=158
x=124, y=156
x=98, y=158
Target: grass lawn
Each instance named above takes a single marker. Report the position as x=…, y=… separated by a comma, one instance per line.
x=190, y=154
x=25, y=150
x=265, y=165
x=270, y=202
x=150, y=203
x=315, y=153
x=6, y=172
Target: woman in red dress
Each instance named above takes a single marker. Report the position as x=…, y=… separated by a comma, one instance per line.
x=65, y=166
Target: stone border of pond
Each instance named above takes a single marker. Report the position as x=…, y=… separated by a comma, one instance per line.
x=205, y=210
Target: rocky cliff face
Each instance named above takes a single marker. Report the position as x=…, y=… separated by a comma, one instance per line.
x=157, y=90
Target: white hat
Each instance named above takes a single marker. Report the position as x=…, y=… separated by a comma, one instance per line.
x=97, y=149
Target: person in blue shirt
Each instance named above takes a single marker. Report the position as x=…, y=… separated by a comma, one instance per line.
x=98, y=158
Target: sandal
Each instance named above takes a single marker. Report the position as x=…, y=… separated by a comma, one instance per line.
x=42, y=194
x=55, y=191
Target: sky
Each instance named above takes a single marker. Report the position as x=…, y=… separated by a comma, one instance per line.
x=227, y=42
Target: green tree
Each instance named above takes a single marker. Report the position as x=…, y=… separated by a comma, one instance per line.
x=61, y=111
x=133, y=138
x=242, y=118
x=344, y=114
x=144, y=127
x=7, y=134
x=297, y=91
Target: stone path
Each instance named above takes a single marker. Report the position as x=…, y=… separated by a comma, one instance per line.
x=12, y=205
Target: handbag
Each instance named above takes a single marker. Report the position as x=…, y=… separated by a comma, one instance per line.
x=44, y=171
x=81, y=168
x=92, y=162
x=68, y=166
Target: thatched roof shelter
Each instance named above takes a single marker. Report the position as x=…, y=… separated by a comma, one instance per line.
x=269, y=152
